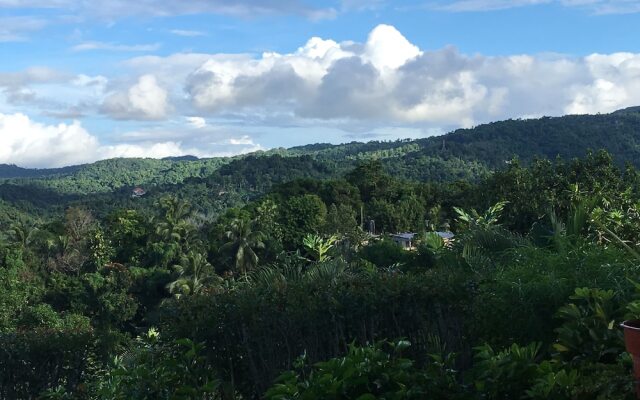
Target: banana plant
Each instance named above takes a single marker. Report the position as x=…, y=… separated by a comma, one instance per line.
x=473, y=219
x=319, y=247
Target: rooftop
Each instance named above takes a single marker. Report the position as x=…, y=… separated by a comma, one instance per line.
x=404, y=235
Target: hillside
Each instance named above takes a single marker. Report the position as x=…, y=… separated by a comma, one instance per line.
x=292, y=269
x=474, y=152
x=459, y=154
x=465, y=154
x=489, y=146
x=110, y=175
x=13, y=171
x=566, y=137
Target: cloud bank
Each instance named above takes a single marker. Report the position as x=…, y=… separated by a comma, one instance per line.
x=385, y=84
x=32, y=144
x=385, y=81
x=389, y=80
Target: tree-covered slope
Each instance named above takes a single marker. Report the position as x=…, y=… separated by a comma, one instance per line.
x=466, y=153
x=462, y=154
x=110, y=175
x=13, y=171
x=567, y=137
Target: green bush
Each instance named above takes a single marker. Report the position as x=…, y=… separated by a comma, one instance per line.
x=530, y=284
x=515, y=372
x=385, y=253
x=365, y=373
x=154, y=370
x=590, y=328
x=33, y=361
x=254, y=332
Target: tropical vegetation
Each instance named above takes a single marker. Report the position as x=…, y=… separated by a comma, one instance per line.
x=277, y=276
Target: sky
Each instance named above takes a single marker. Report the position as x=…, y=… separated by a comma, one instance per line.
x=85, y=80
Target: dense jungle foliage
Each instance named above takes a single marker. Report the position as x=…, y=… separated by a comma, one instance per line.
x=275, y=276
x=286, y=296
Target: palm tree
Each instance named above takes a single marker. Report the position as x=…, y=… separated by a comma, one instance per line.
x=243, y=241
x=22, y=234
x=173, y=230
x=279, y=276
x=174, y=225
x=194, y=274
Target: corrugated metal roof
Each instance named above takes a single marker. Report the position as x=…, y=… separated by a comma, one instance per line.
x=445, y=235
x=404, y=236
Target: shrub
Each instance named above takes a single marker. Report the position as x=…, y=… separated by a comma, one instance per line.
x=367, y=373
x=254, y=332
x=33, y=361
x=154, y=370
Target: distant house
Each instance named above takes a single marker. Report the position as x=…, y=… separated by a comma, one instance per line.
x=138, y=192
x=447, y=236
x=405, y=240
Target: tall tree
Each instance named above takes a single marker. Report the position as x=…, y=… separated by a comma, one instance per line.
x=173, y=230
x=22, y=233
x=301, y=215
x=194, y=274
x=174, y=225
x=243, y=241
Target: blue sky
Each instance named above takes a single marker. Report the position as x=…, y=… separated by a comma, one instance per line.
x=82, y=80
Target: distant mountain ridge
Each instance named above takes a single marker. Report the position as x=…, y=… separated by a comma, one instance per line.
x=628, y=110
x=460, y=154
x=216, y=184
x=13, y=171
x=467, y=152
x=112, y=174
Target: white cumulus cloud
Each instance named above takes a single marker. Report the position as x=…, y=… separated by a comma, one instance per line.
x=389, y=80
x=387, y=48
x=145, y=100
x=28, y=143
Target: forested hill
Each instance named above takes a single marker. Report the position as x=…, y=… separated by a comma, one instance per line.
x=13, y=171
x=462, y=154
x=568, y=137
x=110, y=175
x=494, y=143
